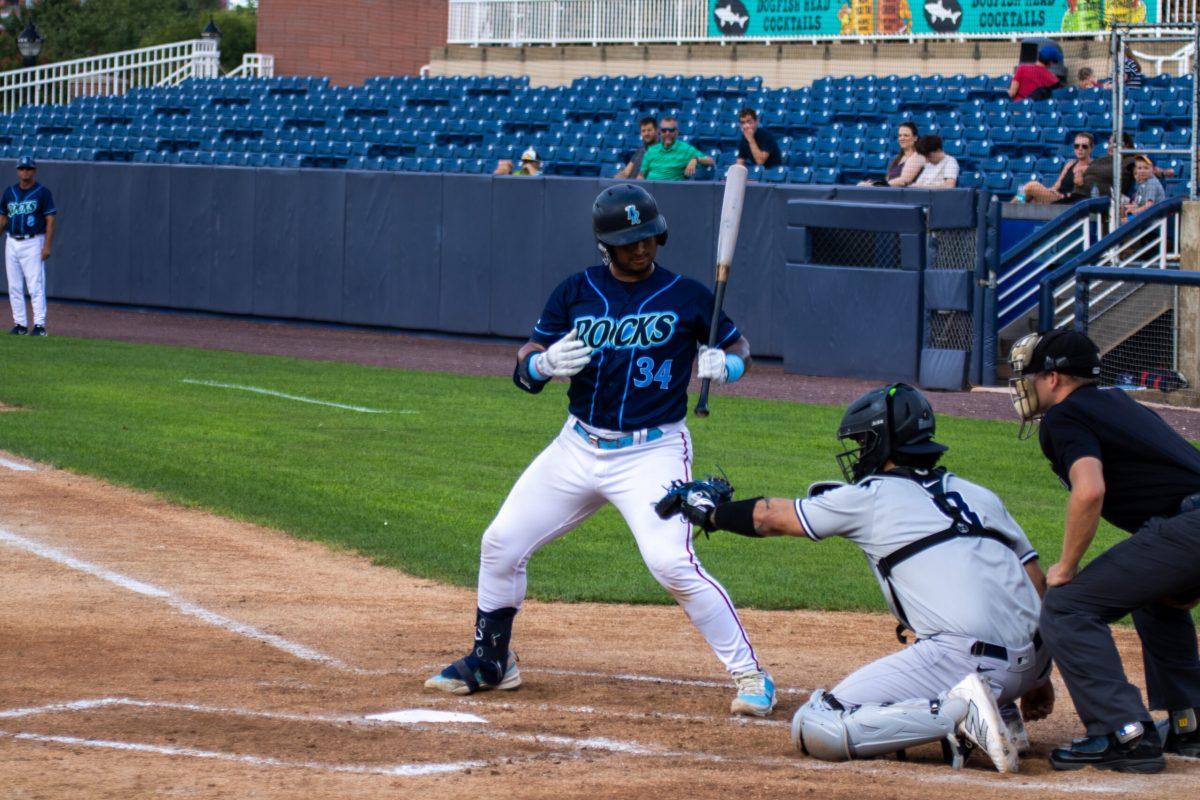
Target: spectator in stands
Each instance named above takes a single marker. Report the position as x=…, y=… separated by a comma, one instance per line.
x=1147, y=190
x=1070, y=177
x=1132, y=70
x=941, y=170
x=906, y=166
x=1086, y=78
x=530, y=164
x=1036, y=81
x=671, y=159
x=758, y=144
x=649, y=131
x=1098, y=178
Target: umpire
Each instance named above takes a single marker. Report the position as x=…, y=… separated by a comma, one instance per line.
x=1121, y=461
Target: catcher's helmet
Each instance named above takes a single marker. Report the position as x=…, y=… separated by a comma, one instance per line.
x=892, y=420
x=624, y=214
x=1064, y=350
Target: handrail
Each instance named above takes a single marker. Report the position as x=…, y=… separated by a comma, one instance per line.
x=108, y=74
x=1081, y=209
x=1083, y=275
x=1049, y=283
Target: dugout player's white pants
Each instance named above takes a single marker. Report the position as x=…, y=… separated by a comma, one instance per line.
x=929, y=668
x=568, y=482
x=26, y=270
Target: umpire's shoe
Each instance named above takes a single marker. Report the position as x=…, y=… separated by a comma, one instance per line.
x=469, y=675
x=1180, y=735
x=1134, y=748
x=756, y=694
x=982, y=724
x=19, y=330
x=38, y=330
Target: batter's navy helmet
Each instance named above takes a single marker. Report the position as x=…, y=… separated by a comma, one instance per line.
x=624, y=214
x=895, y=419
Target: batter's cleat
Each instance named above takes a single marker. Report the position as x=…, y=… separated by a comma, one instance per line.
x=1141, y=754
x=465, y=676
x=982, y=725
x=19, y=330
x=756, y=694
x=38, y=330
x=1016, y=728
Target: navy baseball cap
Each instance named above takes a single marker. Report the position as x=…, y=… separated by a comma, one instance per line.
x=1049, y=54
x=26, y=162
x=1067, y=351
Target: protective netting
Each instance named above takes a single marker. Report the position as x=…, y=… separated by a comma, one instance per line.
x=953, y=248
x=949, y=330
x=1142, y=332
x=842, y=247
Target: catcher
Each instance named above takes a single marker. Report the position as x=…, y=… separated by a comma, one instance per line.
x=955, y=569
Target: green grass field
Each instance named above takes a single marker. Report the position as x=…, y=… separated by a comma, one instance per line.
x=415, y=490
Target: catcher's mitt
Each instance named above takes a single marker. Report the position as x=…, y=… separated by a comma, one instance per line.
x=695, y=500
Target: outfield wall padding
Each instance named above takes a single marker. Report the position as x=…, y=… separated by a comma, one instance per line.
x=470, y=254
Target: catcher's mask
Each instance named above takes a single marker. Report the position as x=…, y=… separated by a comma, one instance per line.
x=892, y=420
x=624, y=214
x=1065, y=351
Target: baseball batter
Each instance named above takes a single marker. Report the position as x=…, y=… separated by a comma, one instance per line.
x=954, y=567
x=27, y=212
x=625, y=332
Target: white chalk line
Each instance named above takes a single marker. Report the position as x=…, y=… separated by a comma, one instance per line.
x=296, y=397
x=179, y=604
x=392, y=770
x=15, y=466
x=637, y=678
x=645, y=716
x=593, y=744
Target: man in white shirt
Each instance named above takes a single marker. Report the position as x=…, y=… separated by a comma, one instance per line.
x=941, y=170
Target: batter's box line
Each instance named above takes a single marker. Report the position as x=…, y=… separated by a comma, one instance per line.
x=576, y=745
x=636, y=678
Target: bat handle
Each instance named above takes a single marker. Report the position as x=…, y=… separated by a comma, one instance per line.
x=702, y=403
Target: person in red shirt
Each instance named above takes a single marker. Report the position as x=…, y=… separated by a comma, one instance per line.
x=1029, y=78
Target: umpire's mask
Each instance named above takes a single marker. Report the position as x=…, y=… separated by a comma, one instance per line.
x=1065, y=351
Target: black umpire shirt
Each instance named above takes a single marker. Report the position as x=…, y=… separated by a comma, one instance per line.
x=1148, y=467
x=766, y=142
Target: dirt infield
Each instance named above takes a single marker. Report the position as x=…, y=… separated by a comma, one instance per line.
x=156, y=651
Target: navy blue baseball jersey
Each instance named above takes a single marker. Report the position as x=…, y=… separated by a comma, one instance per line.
x=27, y=209
x=645, y=335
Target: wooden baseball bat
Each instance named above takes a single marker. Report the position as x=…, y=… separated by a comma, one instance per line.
x=731, y=218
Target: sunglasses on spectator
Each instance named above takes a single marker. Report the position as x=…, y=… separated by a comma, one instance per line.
x=668, y=130
x=1082, y=146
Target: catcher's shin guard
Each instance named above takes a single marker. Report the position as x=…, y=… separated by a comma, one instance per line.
x=823, y=729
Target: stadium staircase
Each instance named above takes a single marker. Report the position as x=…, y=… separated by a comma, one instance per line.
x=837, y=130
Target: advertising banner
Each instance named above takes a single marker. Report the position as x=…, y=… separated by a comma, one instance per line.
x=789, y=19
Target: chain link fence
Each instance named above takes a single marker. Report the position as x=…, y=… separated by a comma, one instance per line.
x=1141, y=328
x=841, y=247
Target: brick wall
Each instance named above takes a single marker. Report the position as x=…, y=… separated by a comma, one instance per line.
x=350, y=40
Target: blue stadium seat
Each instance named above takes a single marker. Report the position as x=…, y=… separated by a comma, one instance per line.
x=999, y=182
x=970, y=180
x=800, y=175
x=825, y=176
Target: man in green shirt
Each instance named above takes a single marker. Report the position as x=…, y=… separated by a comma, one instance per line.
x=671, y=159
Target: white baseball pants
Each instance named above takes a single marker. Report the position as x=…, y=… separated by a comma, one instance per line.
x=26, y=270
x=568, y=482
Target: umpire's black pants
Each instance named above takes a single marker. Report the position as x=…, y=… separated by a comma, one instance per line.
x=1162, y=560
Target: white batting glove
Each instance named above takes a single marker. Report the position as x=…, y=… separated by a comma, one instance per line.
x=564, y=359
x=711, y=365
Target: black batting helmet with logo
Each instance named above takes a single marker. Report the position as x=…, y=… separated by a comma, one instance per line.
x=624, y=214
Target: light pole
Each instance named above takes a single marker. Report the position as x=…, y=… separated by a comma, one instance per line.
x=30, y=43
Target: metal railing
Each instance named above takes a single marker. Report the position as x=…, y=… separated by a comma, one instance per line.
x=516, y=22
x=254, y=65
x=1148, y=241
x=114, y=73
x=1058, y=241
x=1178, y=10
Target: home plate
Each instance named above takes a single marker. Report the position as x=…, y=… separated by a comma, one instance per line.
x=411, y=715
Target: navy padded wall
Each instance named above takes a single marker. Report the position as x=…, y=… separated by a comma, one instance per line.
x=465, y=296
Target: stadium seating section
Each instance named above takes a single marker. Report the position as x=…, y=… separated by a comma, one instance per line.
x=838, y=130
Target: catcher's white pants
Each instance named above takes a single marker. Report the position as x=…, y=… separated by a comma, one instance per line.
x=931, y=667
x=25, y=269
x=568, y=482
